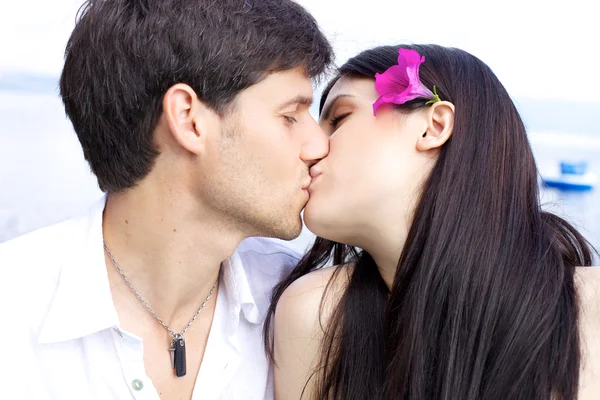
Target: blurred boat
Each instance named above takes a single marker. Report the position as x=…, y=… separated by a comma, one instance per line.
x=572, y=176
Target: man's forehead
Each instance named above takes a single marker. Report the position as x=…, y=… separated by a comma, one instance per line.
x=290, y=82
x=297, y=100
x=282, y=88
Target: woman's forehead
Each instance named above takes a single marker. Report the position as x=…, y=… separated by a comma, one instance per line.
x=352, y=86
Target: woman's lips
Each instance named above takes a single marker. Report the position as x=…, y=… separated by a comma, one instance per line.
x=314, y=172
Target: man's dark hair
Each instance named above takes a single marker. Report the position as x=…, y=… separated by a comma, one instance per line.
x=123, y=55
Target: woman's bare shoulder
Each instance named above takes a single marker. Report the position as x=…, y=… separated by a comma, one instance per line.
x=594, y=272
x=587, y=281
x=301, y=318
x=588, y=288
x=310, y=299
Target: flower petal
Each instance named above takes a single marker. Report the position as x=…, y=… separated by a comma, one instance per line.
x=401, y=98
x=421, y=91
x=392, y=98
x=408, y=57
x=393, y=80
x=380, y=101
x=400, y=83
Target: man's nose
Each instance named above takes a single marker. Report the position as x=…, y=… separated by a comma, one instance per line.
x=316, y=144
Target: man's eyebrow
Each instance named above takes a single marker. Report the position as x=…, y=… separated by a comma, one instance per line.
x=329, y=107
x=300, y=99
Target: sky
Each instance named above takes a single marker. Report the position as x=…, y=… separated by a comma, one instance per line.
x=538, y=49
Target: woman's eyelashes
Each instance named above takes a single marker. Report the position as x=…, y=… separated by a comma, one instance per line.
x=290, y=120
x=335, y=120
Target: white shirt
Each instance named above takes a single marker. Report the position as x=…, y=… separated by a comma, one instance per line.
x=60, y=334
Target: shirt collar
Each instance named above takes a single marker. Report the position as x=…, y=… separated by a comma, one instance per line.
x=83, y=302
x=238, y=292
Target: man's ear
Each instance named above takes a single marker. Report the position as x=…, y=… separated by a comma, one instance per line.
x=187, y=117
x=440, y=124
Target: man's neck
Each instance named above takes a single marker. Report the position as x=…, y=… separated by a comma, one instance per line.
x=168, y=247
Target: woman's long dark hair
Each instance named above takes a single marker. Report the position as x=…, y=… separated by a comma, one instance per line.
x=483, y=304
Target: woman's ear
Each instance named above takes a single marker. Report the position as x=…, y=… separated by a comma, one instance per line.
x=440, y=124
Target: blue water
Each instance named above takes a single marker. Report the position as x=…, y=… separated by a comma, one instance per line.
x=582, y=209
x=44, y=178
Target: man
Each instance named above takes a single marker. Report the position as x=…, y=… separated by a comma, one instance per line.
x=193, y=115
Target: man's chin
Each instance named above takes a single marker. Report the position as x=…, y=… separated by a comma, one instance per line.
x=288, y=231
x=290, y=234
x=282, y=228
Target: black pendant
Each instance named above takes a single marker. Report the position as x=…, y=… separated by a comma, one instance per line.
x=178, y=361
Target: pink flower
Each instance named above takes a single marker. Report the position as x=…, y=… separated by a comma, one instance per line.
x=400, y=83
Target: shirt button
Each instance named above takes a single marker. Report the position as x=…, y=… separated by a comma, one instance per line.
x=136, y=384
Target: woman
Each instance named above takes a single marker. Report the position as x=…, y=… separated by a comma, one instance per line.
x=464, y=288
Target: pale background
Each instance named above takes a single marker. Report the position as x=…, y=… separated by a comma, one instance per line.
x=545, y=53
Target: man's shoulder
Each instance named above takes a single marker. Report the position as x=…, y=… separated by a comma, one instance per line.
x=40, y=244
x=30, y=270
x=31, y=264
x=52, y=241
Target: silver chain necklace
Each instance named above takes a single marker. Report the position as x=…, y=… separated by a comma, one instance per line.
x=177, y=348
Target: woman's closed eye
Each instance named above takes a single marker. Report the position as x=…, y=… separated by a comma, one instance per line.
x=289, y=120
x=335, y=120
